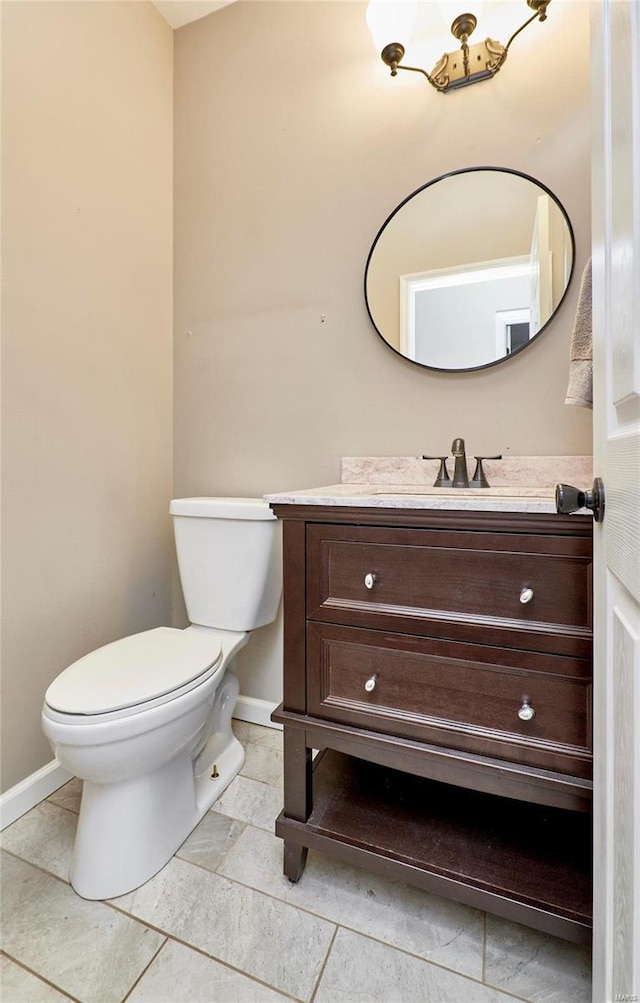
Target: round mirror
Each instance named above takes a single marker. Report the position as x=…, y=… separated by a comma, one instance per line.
x=469, y=269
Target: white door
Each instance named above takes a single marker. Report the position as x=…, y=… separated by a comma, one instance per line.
x=540, y=264
x=615, y=32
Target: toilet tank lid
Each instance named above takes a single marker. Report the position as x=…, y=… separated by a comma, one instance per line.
x=133, y=670
x=222, y=508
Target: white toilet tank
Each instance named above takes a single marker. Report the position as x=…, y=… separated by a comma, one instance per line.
x=230, y=560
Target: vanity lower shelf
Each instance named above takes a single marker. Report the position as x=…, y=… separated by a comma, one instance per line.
x=526, y=862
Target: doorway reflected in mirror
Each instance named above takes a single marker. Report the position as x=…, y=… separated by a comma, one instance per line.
x=469, y=269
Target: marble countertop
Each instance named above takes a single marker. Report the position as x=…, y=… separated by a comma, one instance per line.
x=410, y=496
x=405, y=482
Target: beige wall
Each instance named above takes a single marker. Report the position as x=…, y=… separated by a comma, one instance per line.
x=87, y=305
x=292, y=145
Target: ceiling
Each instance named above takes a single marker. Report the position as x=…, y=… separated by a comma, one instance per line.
x=179, y=12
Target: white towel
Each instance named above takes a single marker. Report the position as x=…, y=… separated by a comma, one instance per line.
x=580, y=388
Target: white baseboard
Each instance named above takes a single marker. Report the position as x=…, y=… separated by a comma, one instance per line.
x=31, y=791
x=256, y=711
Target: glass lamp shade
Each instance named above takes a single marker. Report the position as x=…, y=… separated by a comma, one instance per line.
x=390, y=21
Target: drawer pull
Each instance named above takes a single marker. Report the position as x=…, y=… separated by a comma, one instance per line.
x=526, y=712
x=526, y=596
x=370, y=684
x=370, y=580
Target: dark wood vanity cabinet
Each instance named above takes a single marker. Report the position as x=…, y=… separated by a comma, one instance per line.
x=441, y=662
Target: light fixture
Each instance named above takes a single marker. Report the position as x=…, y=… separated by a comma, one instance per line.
x=468, y=65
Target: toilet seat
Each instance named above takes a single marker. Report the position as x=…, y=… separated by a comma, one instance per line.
x=147, y=669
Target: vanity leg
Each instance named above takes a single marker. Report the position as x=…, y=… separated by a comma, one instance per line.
x=295, y=857
x=298, y=796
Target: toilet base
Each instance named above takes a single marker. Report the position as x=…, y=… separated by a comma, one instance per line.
x=128, y=831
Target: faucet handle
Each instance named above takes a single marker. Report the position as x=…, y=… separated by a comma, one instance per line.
x=479, y=480
x=442, y=480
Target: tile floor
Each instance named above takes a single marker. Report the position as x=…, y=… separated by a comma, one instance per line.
x=220, y=924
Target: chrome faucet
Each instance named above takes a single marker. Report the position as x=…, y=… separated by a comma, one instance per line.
x=460, y=472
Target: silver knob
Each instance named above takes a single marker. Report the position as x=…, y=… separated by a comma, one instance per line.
x=370, y=684
x=526, y=596
x=526, y=712
x=370, y=580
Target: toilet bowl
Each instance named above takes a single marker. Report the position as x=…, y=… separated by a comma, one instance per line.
x=145, y=721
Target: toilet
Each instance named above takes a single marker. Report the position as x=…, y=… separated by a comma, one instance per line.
x=145, y=721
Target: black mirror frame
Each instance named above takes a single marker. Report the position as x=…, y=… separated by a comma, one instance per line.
x=442, y=177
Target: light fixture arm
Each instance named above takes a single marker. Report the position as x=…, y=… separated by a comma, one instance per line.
x=450, y=73
x=540, y=14
x=391, y=56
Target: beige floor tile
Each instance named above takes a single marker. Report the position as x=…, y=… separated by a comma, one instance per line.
x=178, y=973
x=268, y=738
x=225, y=894
x=360, y=970
x=262, y=763
x=69, y=795
x=211, y=839
x=265, y=938
x=251, y=801
x=535, y=966
x=44, y=836
x=87, y=949
x=423, y=924
x=20, y=986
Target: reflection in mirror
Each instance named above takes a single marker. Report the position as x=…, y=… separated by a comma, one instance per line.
x=467, y=270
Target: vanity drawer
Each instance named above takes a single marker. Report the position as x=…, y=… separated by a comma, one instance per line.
x=462, y=696
x=365, y=575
